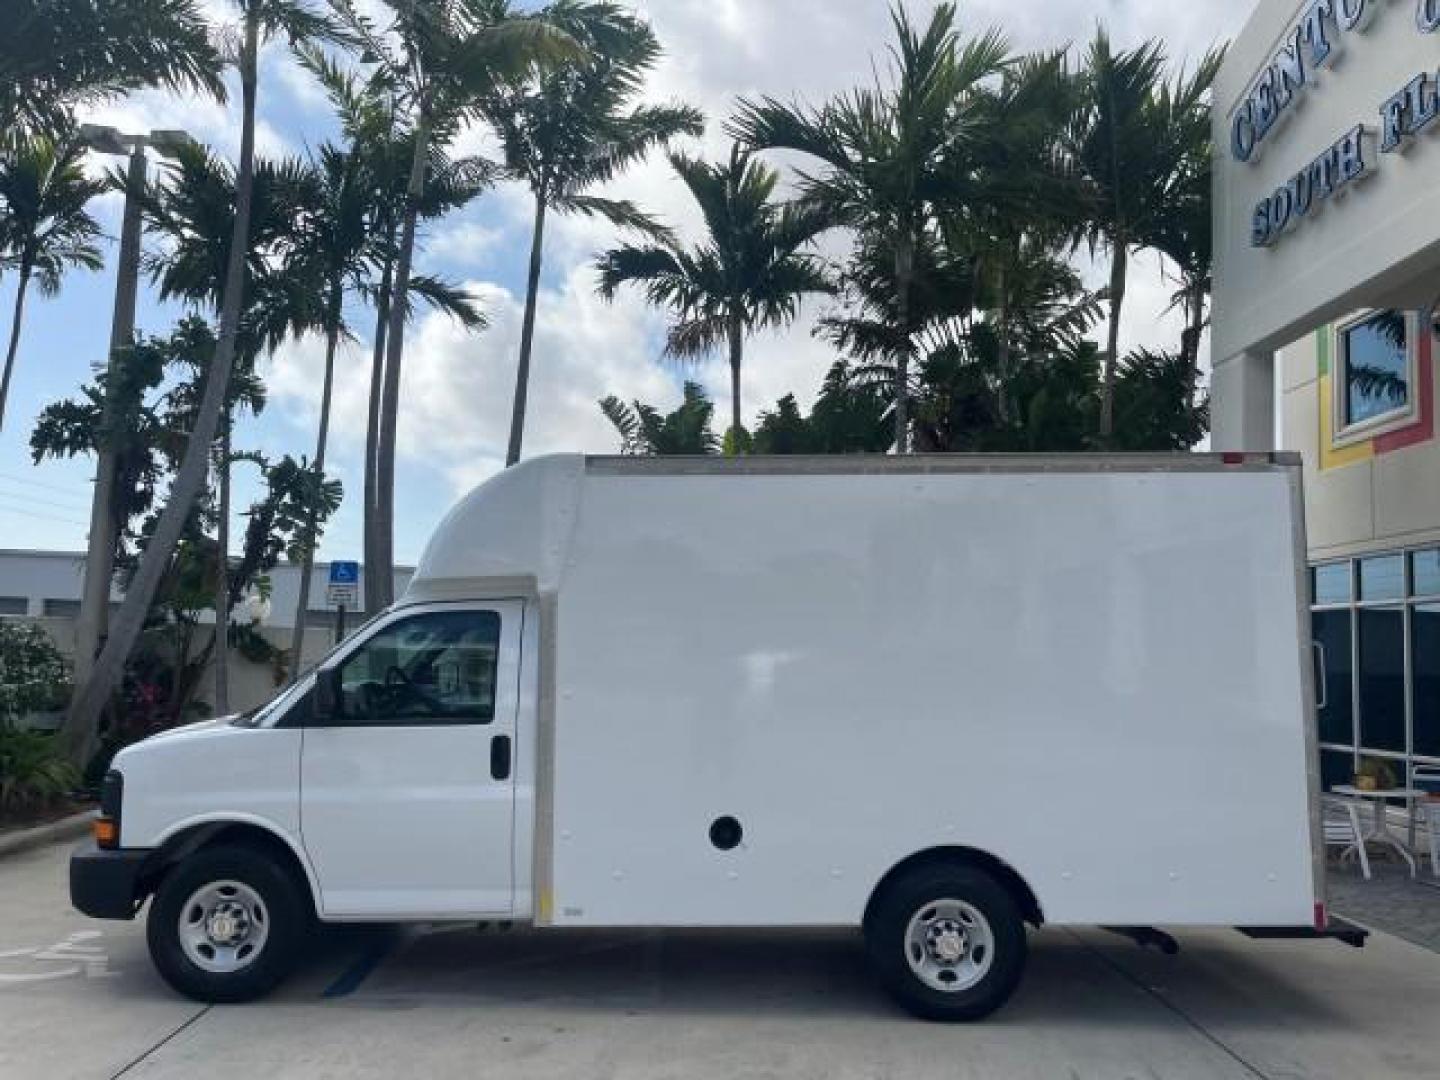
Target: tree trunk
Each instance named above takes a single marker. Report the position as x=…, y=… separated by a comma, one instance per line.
x=1118, y=261
x=904, y=272
x=222, y=578
x=21, y=287
x=105, y=524
x=737, y=355
x=1190, y=337
x=82, y=724
x=1002, y=346
x=384, y=569
x=372, y=438
x=527, y=333
x=307, y=563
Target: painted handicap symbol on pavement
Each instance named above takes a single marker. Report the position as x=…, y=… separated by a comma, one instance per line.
x=79, y=954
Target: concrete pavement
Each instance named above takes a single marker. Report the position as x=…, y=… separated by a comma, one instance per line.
x=78, y=999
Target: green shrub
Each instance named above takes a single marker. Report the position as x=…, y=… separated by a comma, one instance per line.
x=33, y=769
x=34, y=676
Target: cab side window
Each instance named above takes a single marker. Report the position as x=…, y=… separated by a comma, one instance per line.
x=436, y=668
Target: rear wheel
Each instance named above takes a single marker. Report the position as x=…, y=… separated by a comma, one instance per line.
x=948, y=942
x=226, y=925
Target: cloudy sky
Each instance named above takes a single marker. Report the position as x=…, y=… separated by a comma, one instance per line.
x=457, y=387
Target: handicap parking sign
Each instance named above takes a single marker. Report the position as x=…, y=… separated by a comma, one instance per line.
x=343, y=587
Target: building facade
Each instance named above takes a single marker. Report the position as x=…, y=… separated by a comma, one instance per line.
x=1327, y=276
x=1372, y=469
x=45, y=586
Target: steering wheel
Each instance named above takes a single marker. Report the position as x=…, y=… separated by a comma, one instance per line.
x=397, y=682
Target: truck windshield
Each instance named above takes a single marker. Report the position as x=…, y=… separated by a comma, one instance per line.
x=260, y=713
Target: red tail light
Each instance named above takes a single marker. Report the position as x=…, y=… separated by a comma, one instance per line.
x=1321, y=919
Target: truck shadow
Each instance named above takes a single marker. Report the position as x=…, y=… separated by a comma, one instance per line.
x=1071, y=979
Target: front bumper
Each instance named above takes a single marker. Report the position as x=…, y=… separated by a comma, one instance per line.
x=105, y=884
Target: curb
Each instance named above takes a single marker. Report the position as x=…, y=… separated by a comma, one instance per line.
x=67, y=828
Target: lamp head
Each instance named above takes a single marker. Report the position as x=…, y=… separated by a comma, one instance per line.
x=105, y=139
x=169, y=141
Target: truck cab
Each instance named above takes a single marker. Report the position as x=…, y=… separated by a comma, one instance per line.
x=386, y=784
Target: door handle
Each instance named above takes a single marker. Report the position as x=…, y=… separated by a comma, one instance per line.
x=500, y=757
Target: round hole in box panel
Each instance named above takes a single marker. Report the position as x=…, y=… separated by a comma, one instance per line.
x=726, y=833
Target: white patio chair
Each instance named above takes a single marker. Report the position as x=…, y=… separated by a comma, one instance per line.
x=1341, y=818
x=1427, y=778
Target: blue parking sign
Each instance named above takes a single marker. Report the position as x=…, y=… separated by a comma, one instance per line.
x=343, y=587
x=344, y=573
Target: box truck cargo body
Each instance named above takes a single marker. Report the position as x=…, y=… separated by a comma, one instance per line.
x=932, y=697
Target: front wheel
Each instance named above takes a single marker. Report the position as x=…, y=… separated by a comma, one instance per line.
x=226, y=925
x=948, y=942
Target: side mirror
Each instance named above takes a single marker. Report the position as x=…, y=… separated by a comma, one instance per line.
x=328, y=696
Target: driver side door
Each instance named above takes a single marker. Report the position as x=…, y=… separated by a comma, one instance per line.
x=407, y=799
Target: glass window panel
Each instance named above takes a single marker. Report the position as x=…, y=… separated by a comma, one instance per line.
x=1425, y=660
x=1382, y=578
x=1382, y=679
x=1332, y=583
x=1376, y=363
x=1336, y=767
x=1425, y=573
x=1336, y=719
x=430, y=669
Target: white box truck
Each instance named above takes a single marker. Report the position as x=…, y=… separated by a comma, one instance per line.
x=932, y=698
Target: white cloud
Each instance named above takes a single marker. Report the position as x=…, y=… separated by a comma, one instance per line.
x=457, y=388
x=462, y=242
x=207, y=121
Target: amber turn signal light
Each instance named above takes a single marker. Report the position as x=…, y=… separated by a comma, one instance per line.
x=106, y=832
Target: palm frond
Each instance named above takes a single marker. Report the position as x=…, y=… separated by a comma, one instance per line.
x=619, y=212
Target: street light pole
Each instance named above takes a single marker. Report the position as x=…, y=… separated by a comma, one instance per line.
x=94, y=615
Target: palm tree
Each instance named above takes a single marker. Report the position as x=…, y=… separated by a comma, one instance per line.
x=44, y=225
x=571, y=127
x=1184, y=234
x=890, y=152
x=55, y=54
x=645, y=430
x=1126, y=141
x=850, y=416
x=437, y=57
x=336, y=252
x=194, y=209
x=378, y=138
x=260, y=19
x=751, y=271
x=1021, y=198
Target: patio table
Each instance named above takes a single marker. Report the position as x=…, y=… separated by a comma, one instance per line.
x=1380, y=832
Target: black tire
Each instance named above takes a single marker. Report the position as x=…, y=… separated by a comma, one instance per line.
x=287, y=915
x=916, y=890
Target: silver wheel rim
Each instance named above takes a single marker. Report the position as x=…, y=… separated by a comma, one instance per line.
x=949, y=945
x=223, y=927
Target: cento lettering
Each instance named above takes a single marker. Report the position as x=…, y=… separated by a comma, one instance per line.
x=1310, y=45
